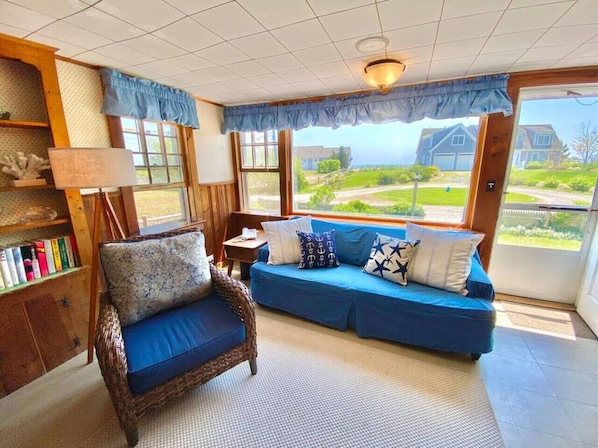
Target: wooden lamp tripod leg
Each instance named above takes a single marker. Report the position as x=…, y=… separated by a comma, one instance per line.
x=93, y=294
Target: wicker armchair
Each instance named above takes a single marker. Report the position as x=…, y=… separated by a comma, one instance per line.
x=112, y=357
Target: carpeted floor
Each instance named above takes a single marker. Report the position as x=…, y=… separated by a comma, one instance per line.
x=315, y=387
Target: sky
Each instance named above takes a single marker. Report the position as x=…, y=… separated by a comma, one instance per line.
x=396, y=143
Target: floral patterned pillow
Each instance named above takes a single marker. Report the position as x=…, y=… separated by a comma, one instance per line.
x=147, y=275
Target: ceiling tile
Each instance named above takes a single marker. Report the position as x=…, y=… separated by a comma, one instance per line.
x=91, y=57
x=470, y=47
x=567, y=35
x=342, y=84
x=65, y=31
x=64, y=48
x=154, y=46
x=240, y=84
x=229, y=21
x=525, y=3
x=296, y=75
x=330, y=69
x=348, y=51
x=258, y=95
x=216, y=87
x=190, y=62
x=286, y=90
x=531, y=66
x=582, y=13
x=403, y=13
x=413, y=55
x=267, y=80
x=193, y=6
x=513, y=41
x=162, y=69
x=140, y=72
x=124, y=53
x=191, y=79
x=587, y=50
x=415, y=36
x=467, y=27
x=323, y=7
x=546, y=53
x=498, y=61
x=576, y=62
x=449, y=68
x=270, y=14
x=99, y=22
x=260, y=45
x=29, y=20
x=314, y=87
x=280, y=63
x=535, y=17
x=218, y=74
x=13, y=30
x=53, y=8
x=188, y=34
x=461, y=8
x=146, y=14
x=247, y=68
x=302, y=35
x=223, y=54
x=318, y=55
x=352, y=23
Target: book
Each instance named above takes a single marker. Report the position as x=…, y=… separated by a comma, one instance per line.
x=35, y=262
x=27, y=254
x=64, y=259
x=2, y=285
x=16, y=253
x=12, y=266
x=69, y=251
x=5, y=270
x=40, y=252
x=56, y=253
x=49, y=256
x=75, y=250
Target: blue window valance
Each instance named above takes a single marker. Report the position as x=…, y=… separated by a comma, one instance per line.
x=450, y=99
x=126, y=96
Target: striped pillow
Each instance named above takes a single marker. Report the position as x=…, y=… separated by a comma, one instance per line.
x=443, y=257
x=283, y=242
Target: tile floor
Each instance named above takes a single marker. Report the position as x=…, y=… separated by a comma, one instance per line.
x=543, y=387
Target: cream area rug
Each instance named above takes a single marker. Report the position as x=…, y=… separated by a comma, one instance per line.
x=317, y=387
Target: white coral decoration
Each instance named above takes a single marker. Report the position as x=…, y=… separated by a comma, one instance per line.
x=24, y=166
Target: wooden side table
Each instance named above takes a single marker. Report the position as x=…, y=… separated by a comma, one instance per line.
x=243, y=251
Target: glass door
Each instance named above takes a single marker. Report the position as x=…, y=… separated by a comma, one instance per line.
x=547, y=220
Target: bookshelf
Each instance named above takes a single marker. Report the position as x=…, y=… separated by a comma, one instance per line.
x=43, y=322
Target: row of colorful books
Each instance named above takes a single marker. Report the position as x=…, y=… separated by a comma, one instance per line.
x=35, y=259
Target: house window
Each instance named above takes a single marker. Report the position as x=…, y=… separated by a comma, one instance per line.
x=161, y=200
x=543, y=139
x=458, y=140
x=383, y=171
x=259, y=171
x=519, y=142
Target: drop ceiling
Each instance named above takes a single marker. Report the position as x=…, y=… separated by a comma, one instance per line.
x=248, y=51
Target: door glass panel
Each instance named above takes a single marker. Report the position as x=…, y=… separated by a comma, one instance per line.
x=553, y=172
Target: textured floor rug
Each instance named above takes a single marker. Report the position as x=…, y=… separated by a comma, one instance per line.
x=317, y=387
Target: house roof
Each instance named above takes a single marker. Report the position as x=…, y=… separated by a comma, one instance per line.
x=247, y=51
x=529, y=133
x=430, y=138
x=316, y=152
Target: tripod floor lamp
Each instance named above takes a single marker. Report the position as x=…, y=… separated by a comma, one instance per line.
x=77, y=168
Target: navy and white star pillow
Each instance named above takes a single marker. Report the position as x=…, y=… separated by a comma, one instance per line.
x=389, y=258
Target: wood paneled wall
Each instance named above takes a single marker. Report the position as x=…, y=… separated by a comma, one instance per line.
x=218, y=201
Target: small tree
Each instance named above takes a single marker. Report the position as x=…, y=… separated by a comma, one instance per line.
x=321, y=198
x=329, y=166
x=299, y=175
x=344, y=157
x=586, y=142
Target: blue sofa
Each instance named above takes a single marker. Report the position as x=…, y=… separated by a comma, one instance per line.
x=345, y=297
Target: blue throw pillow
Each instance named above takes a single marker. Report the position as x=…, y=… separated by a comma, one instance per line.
x=318, y=250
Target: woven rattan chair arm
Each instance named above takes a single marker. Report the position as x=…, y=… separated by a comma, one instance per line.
x=237, y=297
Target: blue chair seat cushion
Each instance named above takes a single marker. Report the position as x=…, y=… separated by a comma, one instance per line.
x=168, y=344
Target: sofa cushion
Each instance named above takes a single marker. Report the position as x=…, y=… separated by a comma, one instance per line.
x=163, y=346
x=154, y=273
x=283, y=241
x=318, y=250
x=443, y=257
x=390, y=258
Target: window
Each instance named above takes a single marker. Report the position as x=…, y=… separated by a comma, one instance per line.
x=259, y=171
x=396, y=171
x=458, y=140
x=161, y=194
x=543, y=139
x=519, y=142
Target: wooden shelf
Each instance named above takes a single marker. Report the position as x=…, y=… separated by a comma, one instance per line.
x=23, y=124
x=45, y=278
x=35, y=187
x=33, y=225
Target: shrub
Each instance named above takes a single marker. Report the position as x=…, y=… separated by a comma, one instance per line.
x=530, y=182
x=403, y=208
x=536, y=232
x=356, y=206
x=403, y=178
x=533, y=166
x=386, y=179
x=321, y=198
x=579, y=183
x=329, y=166
x=552, y=182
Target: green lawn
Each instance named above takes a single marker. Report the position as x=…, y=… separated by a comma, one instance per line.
x=521, y=177
x=533, y=241
x=440, y=196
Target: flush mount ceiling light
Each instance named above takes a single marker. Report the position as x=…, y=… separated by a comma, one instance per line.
x=383, y=73
x=371, y=44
